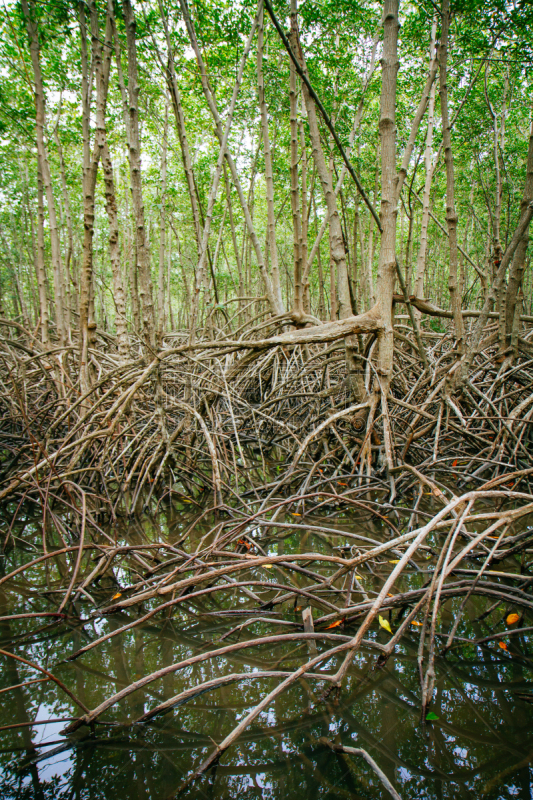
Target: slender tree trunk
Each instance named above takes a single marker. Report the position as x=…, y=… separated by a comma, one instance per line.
x=100, y=66
x=295, y=195
x=389, y=207
x=131, y=247
x=177, y=107
x=41, y=272
x=162, y=234
x=451, y=214
x=512, y=308
x=142, y=250
x=42, y=154
x=70, y=235
x=305, y=222
x=119, y=296
x=234, y=174
x=269, y=178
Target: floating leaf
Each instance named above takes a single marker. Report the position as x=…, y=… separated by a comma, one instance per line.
x=384, y=623
x=431, y=716
x=415, y=622
x=512, y=619
x=335, y=624
x=503, y=645
x=116, y=596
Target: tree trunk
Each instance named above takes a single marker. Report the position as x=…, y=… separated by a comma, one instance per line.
x=142, y=251
x=295, y=196
x=512, y=309
x=451, y=214
x=100, y=67
x=162, y=235
x=114, y=254
x=41, y=272
x=42, y=154
x=269, y=179
x=389, y=208
x=234, y=174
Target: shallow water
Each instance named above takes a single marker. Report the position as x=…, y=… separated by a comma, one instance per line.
x=481, y=745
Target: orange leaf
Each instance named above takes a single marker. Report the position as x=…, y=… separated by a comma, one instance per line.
x=295, y=514
x=454, y=463
x=415, y=622
x=335, y=624
x=503, y=645
x=512, y=619
x=342, y=484
x=116, y=596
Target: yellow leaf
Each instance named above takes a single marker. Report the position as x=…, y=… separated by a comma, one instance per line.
x=384, y=623
x=335, y=624
x=503, y=645
x=295, y=514
x=116, y=596
x=267, y=566
x=512, y=619
x=396, y=561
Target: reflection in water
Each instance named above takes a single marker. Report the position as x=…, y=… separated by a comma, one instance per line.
x=480, y=746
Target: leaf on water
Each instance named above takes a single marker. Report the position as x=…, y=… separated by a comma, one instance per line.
x=512, y=619
x=384, y=623
x=116, y=596
x=415, y=622
x=396, y=561
x=335, y=624
x=431, y=716
x=503, y=646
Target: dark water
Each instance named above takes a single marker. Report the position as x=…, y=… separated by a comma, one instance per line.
x=481, y=746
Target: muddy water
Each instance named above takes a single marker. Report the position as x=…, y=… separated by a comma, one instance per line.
x=481, y=745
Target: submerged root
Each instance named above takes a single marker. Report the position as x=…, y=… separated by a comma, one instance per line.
x=442, y=480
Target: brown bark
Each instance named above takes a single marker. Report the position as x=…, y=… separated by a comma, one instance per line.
x=295, y=196
x=42, y=154
x=451, y=214
x=512, y=307
x=119, y=296
x=100, y=67
x=134, y=152
x=388, y=212
x=162, y=235
x=40, y=265
x=269, y=179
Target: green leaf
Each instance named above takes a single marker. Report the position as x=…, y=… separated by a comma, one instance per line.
x=430, y=716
